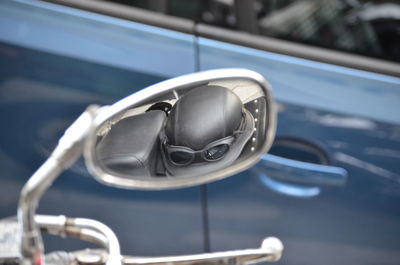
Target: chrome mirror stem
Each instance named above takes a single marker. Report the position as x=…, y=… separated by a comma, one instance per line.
x=65, y=154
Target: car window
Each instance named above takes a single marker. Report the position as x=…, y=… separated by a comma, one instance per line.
x=370, y=28
x=361, y=27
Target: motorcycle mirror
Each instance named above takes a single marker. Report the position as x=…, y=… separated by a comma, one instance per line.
x=182, y=132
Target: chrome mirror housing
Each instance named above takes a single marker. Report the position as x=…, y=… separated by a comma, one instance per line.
x=153, y=139
x=221, y=120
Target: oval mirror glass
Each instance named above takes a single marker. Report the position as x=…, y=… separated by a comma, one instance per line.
x=184, y=131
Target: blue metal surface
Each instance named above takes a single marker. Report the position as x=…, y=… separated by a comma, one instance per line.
x=301, y=172
x=353, y=117
x=312, y=84
x=293, y=190
x=289, y=177
x=95, y=38
x=54, y=62
x=357, y=223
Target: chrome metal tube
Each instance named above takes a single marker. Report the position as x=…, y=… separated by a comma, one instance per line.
x=270, y=250
x=114, y=252
x=67, y=152
x=57, y=225
x=88, y=235
x=31, y=241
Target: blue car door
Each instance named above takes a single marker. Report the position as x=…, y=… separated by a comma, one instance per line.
x=54, y=62
x=330, y=187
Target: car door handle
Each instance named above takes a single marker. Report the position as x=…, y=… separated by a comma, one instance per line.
x=285, y=169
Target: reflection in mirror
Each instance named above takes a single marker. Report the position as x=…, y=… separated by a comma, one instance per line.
x=190, y=132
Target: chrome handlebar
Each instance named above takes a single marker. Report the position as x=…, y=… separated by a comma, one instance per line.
x=270, y=251
x=98, y=233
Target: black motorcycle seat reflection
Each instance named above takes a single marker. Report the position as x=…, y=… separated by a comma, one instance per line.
x=131, y=146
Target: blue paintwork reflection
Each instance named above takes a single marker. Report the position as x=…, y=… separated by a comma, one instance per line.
x=54, y=62
x=95, y=38
x=312, y=84
x=304, y=63
x=301, y=172
x=286, y=188
x=345, y=113
x=36, y=110
x=359, y=220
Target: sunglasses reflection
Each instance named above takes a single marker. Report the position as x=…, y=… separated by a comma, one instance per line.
x=196, y=130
